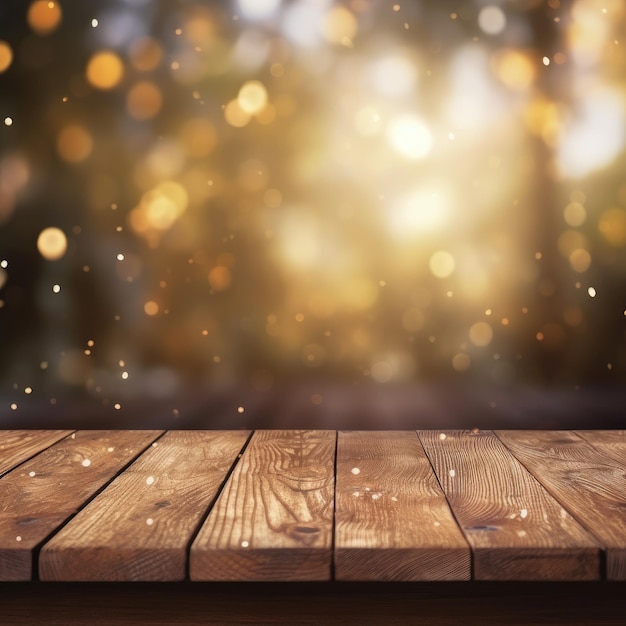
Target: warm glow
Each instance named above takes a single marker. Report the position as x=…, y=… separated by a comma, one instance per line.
x=258, y=9
x=612, y=227
x=52, y=243
x=235, y=115
x=492, y=20
x=6, y=56
x=299, y=240
x=144, y=100
x=393, y=76
x=339, y=26
x=367, y=121
x=44, y=16
x=515, y=69
x=220, y=278
x=370, y=192
x=252, y=97
x=151, y=308
x=575, y=214
x=580, y=260
x=74, y=143
x=441, y=264
x=302, y=23
x=461, y=362
x=594, y=137
x=481, y=334
x=146, y=54
x=105, y=70
x=159, y=209
x=422, y=212
x=410, y=137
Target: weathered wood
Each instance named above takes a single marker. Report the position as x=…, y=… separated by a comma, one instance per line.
x=516, y=529
x=139, y=527
x=17, y=446
x=610, y=442
x=392, y=519
x=588, y=482
x=41, y=494
x=273, y=519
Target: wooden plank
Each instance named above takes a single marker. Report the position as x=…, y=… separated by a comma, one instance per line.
x=41, y=494
x=609, y=442
x=17, y=446
x=516, y=529
x=590, y=483
x=392, y=521
x=273, y=519
x=139, y=527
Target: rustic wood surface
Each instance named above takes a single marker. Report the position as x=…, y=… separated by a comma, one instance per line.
x=531, y=505
x=392, y=519
x=273, y=519
x=610, y=442
x=516, y=529
x=41, y=494
x=17, y=446
x=585, y=479
x=139, y=527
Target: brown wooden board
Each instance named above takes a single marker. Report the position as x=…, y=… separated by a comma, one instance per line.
x=392, y=521
x=139, y=527
x=17, y=446
x=41, y=494
x=516, y=529
x=273, y=519
x=586, y=480
x=610, y=442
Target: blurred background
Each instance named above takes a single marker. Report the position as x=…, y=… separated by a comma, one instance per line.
x=312, y=212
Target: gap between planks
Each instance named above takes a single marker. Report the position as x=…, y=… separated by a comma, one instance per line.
x=360, y=561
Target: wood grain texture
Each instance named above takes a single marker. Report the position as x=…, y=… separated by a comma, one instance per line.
x=589, y=482
x=41, y=494
x=392, y=519
x=17, y=446
x=273, y=519
x=139, y=527
x=516, y=529
x=609, y=442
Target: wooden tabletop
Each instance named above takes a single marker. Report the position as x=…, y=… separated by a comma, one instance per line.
x=312, y=505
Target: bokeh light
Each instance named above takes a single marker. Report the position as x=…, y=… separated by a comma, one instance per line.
x=6, y=56
x=258, y=9
x=339, y=26
x=252, y=97
x=441, y=264
x=145, y=54
x=481, y=334
x=393, y=75
x=74, y=143
x=492, y=20
x=44, y=16
x=144, y=100
x=258, y=192
x=410, y=137
x=52, y=243
x=105, y=70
